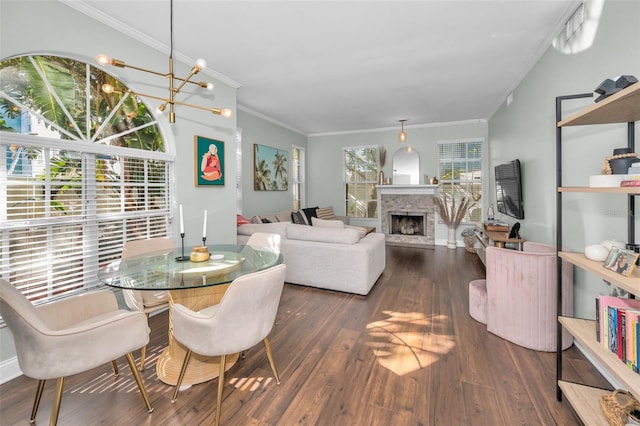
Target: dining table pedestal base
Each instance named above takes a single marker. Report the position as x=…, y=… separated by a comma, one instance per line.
x=201, y=368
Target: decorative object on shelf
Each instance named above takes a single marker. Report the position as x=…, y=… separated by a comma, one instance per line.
x=270, y=169
x=452, y=214
x=209, y=161
x=402, y=136
x=596, y=252
x=617, y=405
x=434, y=181
x=490, y=213
x=619, y=162
x=622, y=261
x=174, y=86
x=387, y=181
x=199, y=254
x=608, y=87
x=382, y=159
x=381, y=179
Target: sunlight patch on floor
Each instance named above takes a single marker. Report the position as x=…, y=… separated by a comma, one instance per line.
x=407, y=342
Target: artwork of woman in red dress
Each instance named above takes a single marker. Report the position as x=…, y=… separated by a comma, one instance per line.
x=210, y=165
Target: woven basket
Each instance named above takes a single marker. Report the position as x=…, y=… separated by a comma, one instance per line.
x=469, y=243
x=617, y=405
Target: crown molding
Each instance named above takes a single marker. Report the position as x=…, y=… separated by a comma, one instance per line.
x=395, y=128
x=119, y=26
x=269, y=119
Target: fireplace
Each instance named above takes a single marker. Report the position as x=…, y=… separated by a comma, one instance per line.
x=407, y=223
x=407, y=214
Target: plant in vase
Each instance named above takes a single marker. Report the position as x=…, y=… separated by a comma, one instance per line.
x=452, y=214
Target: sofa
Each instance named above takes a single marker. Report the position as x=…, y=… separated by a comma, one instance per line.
x=325, y=252
x=518, y=299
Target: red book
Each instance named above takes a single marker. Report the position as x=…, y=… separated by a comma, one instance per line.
x=635, y=182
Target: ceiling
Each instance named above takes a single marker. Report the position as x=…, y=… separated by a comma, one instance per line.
x=338, y=66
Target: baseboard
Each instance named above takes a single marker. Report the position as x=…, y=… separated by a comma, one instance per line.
x=9, y=370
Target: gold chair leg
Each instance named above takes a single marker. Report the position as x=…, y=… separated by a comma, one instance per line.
x=55, y=409
x=114, y=364
x=183, y=370
x=138, y=377
x=143, y=351
x=223, y=360
x=267, y=348
x=36, y=402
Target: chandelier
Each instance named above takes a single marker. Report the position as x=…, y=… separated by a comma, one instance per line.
x=175, y=83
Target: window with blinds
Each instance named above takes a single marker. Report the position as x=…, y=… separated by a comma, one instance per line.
x=72, y=188
x=460, y=174
x=361, y=177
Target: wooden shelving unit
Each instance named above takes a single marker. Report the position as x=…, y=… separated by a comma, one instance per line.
x=623, y=107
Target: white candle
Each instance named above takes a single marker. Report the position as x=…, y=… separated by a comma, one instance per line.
x=181, y=221
x=204, y=225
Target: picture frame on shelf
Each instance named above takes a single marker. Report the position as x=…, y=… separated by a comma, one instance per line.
x=621, y=260
x=208, y=161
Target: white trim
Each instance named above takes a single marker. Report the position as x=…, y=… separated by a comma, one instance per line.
x=119, y=26
x=414, y=126
x=9, y=370
x=269, y=119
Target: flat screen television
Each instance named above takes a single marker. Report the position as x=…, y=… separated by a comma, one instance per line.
x=509, y=189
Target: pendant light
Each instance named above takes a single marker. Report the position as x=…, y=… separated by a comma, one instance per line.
x=402, y=136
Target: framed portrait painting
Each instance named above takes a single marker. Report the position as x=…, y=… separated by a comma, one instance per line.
x=621, y=261
x=209, y=162
x=270, y=169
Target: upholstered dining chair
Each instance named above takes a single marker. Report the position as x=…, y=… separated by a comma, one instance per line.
x=71, y=336
x=146, y=301
x=266, y=240
x=244, y=317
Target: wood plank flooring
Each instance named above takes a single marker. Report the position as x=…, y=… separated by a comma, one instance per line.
x=406, y=354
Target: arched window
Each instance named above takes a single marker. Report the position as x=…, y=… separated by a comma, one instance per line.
x=82, y=171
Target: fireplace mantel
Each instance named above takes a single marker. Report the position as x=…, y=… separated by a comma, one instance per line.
x=407, y=198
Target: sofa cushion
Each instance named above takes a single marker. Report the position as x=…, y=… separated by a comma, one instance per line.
x=322, y=235
x=310, y=212
x=321, y=223
x=279, y=228
x=325, y=213
x=298, y=217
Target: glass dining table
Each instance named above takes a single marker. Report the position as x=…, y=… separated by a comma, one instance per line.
x=195, y=285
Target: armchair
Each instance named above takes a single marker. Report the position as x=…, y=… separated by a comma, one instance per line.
x=71, y=336
x=518, y=299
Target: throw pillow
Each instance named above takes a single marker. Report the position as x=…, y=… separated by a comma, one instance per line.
x=310, y=212
x=299, y=218
x=321, y=223
x=255, y=219
x=241, y=220
x=265, y=220
x=326, y=213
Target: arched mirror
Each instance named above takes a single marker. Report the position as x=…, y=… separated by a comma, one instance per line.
x=406, y=167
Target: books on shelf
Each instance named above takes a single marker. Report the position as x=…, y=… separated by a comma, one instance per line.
x=630, y=182
x=618, y=328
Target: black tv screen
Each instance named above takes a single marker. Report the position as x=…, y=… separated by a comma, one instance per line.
x=509, y=189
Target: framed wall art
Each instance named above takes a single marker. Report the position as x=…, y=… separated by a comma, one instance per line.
x=209, y=162
x=270, y=169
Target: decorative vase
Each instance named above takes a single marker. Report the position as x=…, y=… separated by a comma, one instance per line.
x=381, y=180
x=451, y=241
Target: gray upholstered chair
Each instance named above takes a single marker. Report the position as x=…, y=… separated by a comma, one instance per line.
x=243, y=318
x=71, y=336
x=146, y=301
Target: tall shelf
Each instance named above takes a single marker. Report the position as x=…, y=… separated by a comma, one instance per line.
x=622, y=107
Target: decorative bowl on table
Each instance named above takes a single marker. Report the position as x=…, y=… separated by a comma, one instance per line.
x=199, y=254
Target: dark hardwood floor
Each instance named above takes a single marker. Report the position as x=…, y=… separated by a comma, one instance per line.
x=406, y=354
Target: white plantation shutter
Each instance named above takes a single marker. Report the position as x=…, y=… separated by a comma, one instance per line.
x=65, y=219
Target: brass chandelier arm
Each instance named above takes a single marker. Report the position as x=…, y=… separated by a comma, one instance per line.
x=217, y=111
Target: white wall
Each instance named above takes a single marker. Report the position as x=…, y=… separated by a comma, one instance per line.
x=257, y=130
x=36, y=27
x=526, y=130
x=325, y=153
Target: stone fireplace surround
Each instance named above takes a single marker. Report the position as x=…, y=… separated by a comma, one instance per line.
x=411, y=201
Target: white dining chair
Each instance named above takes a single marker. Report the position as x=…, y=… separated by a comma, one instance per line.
x=71, y=336
x=146, y=301
x=244, y=317
x=265, y=240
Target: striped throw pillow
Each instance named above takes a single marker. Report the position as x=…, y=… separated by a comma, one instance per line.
x=326, y=213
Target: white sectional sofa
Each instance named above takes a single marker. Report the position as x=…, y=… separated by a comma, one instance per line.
x=329, y=257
